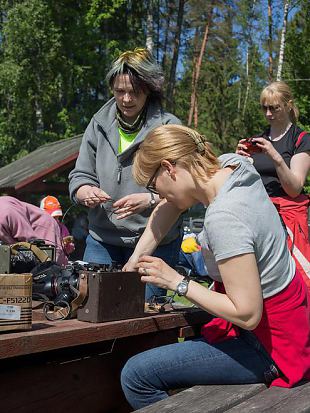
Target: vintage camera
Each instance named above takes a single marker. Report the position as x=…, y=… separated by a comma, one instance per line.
x=59, y=287
x=251, y=145
x=54, y=283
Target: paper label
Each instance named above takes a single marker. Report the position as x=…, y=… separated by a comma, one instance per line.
x=10, y=312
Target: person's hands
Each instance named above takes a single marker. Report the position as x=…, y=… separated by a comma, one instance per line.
x=67, y=239
x=131, y=204
x=91, y=196
x=155, y=271
x=68, y=244
x=131, y=264
x=266, y=146
x=242, y=149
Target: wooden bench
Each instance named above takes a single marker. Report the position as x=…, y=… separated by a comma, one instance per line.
x=74, y=366
x=254, y=398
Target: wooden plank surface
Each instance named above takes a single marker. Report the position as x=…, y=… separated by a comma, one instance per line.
x=206, y=399
x=46, y=335
x=277, y=400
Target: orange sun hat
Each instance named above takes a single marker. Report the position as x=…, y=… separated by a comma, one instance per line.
x=51, y=205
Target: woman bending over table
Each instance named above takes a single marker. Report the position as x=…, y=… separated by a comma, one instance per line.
x=261, y=307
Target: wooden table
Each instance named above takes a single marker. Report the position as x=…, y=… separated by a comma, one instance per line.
x=73, y=366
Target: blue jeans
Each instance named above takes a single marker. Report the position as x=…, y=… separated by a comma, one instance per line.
x=193, y=261
x=148, y=376
x=102, y=253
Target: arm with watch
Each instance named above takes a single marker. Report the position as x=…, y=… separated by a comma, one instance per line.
x=235, y=306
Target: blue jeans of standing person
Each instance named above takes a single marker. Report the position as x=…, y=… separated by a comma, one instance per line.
x=193, y=261
x=103, y=253
x=148, y=376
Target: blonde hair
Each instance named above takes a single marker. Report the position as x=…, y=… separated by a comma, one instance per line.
x=175, y=143
x=279, y=93
x=144, y=72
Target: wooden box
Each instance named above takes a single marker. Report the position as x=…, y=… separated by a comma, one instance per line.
x=15, y=302
x=112, y=296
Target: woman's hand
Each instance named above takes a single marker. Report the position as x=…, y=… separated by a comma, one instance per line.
x=91, y=196
x=131, y=264
x=266, y=146
x=68, y=244
x=242, y=149
x=155, y=271
x=131, y=204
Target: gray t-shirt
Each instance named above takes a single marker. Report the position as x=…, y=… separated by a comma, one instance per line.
x=241, y=220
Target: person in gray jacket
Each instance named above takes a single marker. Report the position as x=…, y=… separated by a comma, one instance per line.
x=102, y=178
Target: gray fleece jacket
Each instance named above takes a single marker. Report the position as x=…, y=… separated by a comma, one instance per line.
x=100, y=164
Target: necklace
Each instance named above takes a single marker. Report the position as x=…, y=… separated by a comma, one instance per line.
x=282, y=134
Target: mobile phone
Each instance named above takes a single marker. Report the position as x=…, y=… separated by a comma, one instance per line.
x=251, y=145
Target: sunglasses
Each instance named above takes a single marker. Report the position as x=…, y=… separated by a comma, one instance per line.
x=151, y=185
x=271, y=108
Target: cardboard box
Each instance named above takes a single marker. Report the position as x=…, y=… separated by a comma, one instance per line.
x=15, y=302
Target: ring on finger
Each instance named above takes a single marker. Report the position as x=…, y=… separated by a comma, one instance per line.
x=145, y=271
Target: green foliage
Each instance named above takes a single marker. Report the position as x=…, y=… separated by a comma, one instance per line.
x=63, y=116
x=102, y=10
x=307, y=186
x=54, y=56
x=296, y=65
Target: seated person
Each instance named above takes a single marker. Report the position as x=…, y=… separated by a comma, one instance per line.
x=20, y=221
x=261, y=329
x=51, y=205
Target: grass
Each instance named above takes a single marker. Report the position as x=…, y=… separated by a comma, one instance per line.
x=184, y=300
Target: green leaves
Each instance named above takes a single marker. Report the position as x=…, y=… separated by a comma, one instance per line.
x=54, y=56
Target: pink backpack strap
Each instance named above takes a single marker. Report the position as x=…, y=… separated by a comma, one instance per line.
x=299, y=139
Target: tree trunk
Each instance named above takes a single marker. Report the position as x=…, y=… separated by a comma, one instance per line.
x=196, y=112
x=270, y=66
x=196, y=74
x=248, y=84
x=193, y=94
x=175, y=56
x=158, y=30
x=282, y=44
x=169, y=12
x=149, y=26
x=239, y=98
x=248, y=81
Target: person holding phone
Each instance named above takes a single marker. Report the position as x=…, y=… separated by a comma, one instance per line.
x=281, y=155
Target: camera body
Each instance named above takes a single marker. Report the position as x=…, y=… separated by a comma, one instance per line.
x=251, y=145
x=93, y=292
x=55, y=283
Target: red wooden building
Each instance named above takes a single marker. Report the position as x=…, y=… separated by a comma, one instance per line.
x=43, y=171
